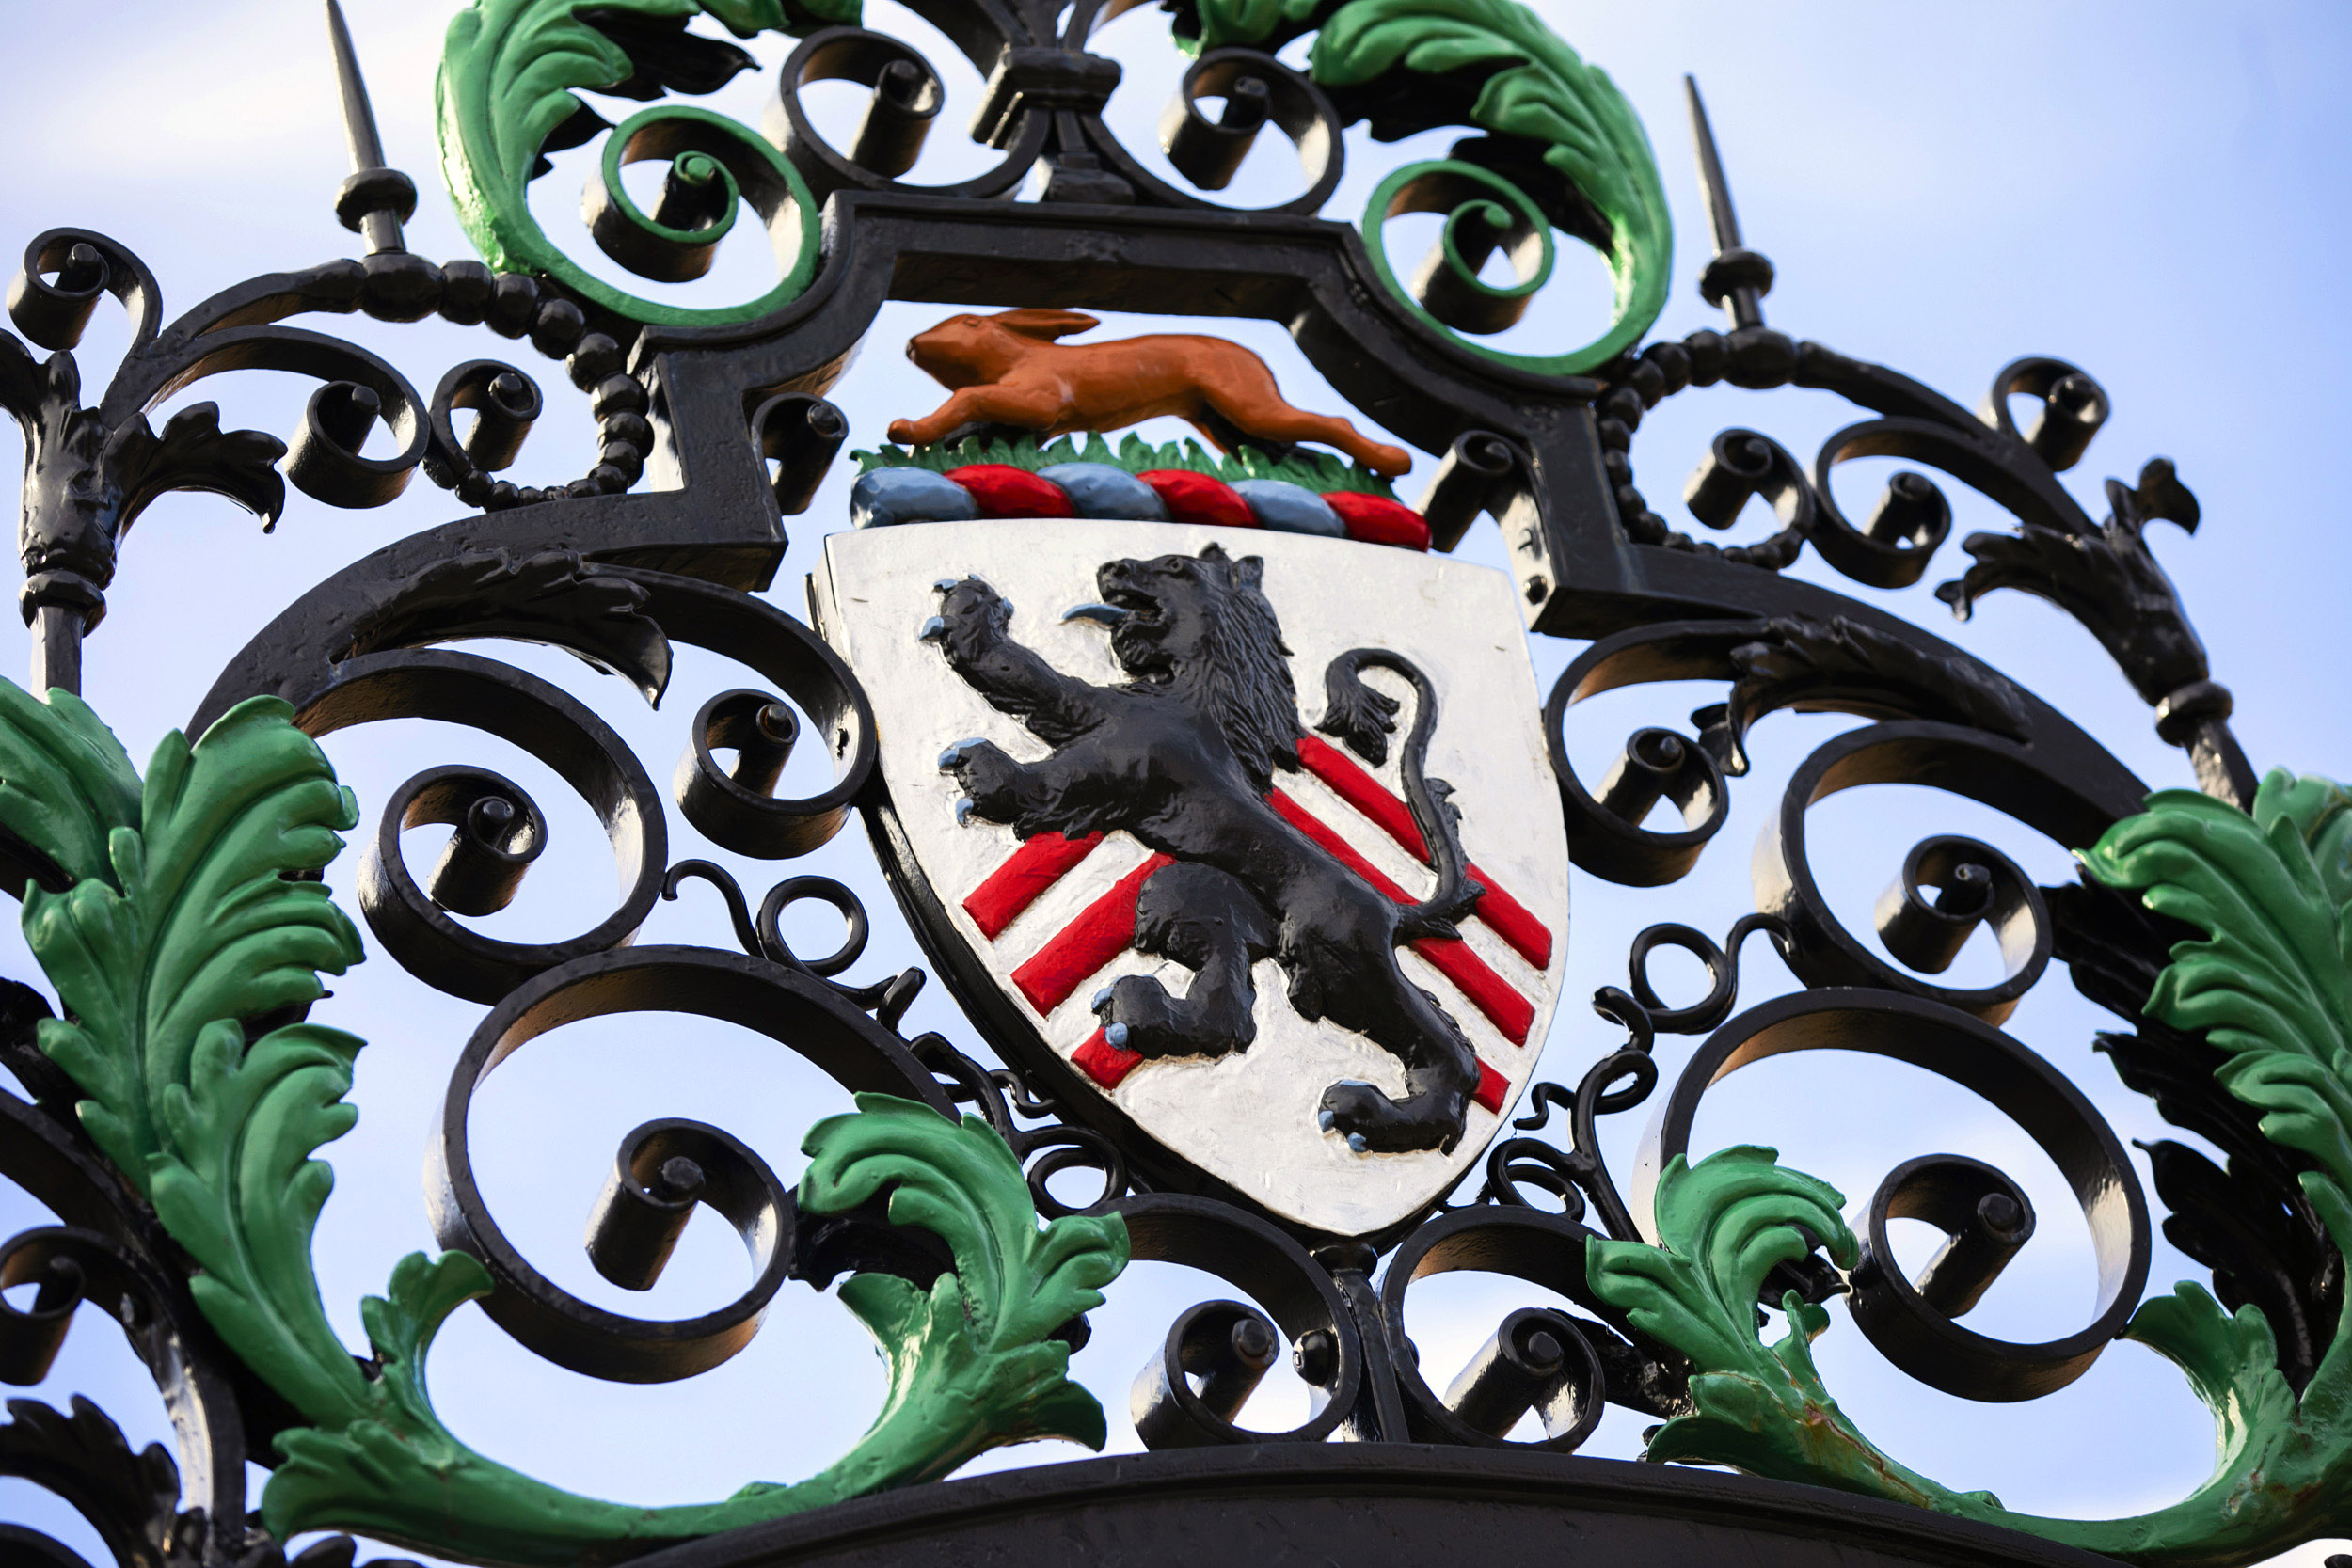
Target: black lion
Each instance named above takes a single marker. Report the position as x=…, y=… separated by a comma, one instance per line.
x=1182, y=756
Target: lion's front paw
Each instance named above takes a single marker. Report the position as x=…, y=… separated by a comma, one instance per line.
x=1140, y=1015
x=970, y=616
x=1136, y=1014
x=989, y=777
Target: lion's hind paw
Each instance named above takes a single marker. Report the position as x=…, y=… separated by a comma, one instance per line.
x=1373, y=1123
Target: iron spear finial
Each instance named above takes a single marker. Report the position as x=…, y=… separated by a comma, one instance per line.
x=1719, y=212
x=376, y=201
x=367, y=147
x=1737, y=279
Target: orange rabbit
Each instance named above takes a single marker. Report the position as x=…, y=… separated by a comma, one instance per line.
x=1006, y=369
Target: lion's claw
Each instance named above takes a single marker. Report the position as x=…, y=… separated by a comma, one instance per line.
x=953, y=756
x=1371, y=1122
x=934, y=630
x=964, y=810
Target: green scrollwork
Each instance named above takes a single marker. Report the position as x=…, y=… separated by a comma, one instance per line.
x=192, y=910
x=1530, y=88
x=2270, y=987
x=506, y=93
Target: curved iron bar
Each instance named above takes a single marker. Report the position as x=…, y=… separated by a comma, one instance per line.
x=2101, y=572
x=616, y=577
x=797, y=1011
x=113, y=1255
x=1912, y=1322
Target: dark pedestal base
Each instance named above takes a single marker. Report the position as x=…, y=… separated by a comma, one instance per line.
x=1319, y=1505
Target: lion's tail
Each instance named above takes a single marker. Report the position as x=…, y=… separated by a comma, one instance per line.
x=1363, y=719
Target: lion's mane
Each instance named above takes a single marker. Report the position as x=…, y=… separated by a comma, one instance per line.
x=1240, y=676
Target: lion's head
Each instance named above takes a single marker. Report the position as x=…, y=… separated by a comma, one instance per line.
x=1201, y=626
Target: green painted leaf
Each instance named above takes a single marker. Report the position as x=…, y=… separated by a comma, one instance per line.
x=236, y=1186
x=208, y=915
x=982, y=1339
x=66, y=783
x=2232, y=1361
x=2270, y=985
x=970, y=1365
x=1723, y=1226
x=1539, y=89
x=194, y=908
x=521, y=60
x=510, y=71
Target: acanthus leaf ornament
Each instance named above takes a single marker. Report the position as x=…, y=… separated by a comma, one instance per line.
x=1218, y=795
x=2108, y=578
x=87, y=477
x=553, y=595
x=506, y=94
x=1564, y=151
x=2269, y=987
x=201, y=919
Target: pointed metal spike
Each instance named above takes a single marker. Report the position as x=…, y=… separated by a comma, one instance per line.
x=1719, y=212
x=1737, y=279
x=367, y=147
x=376, y=201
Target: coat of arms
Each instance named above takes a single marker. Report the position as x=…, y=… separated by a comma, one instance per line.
x=1246, y=836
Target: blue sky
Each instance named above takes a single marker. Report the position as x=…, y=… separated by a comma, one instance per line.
x=2151, y=191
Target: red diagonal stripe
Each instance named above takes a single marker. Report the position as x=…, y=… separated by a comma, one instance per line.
x=1027, y=872
x=1489, y=993
x=1359, y=789
x=1492, y=1086
x=1505, y=915
x=1103, y=1062
x=1505, y=1007
x=1102, y=932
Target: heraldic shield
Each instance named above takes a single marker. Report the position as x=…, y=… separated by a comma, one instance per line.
x=1247, y=840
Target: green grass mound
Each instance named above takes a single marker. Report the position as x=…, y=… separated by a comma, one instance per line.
x=1313, y=470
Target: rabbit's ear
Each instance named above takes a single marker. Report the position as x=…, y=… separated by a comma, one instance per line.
x=1045, y=324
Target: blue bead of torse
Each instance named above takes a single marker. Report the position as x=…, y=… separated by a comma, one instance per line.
x=1098, y=490
x=1289, y=508
x=886, y=497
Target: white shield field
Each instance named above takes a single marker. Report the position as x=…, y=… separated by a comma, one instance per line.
x=1043, y=920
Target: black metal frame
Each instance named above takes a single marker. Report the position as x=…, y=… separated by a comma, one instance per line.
x=616, y=573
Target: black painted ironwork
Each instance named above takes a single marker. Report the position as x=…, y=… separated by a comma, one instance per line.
x=618, y=572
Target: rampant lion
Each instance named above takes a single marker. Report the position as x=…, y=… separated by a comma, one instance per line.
x=1182, y=756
